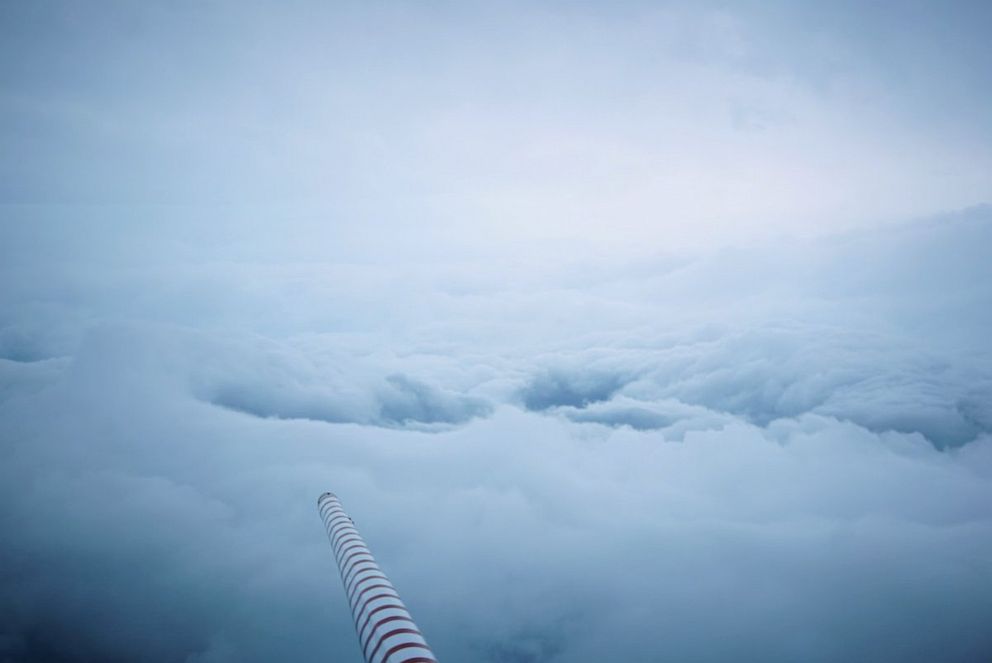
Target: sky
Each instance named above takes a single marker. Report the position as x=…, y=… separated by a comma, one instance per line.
x=633, y=331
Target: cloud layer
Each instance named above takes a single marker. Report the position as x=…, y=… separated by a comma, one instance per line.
x=625, y=331
x=774, y=453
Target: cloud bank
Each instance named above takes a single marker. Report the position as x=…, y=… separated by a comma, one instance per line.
x=625, y=331
x=777, y=453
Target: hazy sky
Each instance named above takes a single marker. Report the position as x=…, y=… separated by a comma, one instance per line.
x=625, y=331
x=667, y=122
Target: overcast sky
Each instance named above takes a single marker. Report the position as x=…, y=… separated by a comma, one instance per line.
x=625, y=331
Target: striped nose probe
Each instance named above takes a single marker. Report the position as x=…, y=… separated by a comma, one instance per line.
x=386, y=632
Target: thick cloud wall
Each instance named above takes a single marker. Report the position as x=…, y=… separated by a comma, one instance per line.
x=776, y=453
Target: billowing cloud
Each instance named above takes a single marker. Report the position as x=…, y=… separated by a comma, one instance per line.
x=610, y=325
x=725, y=465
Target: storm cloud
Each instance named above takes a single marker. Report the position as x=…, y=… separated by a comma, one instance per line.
x=575, y=416
x=790, y=480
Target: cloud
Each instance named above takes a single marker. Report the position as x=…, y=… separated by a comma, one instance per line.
x=631, y=124
x=760, y=452
x=598, y=318
x=578, y=389
x=766, y=373
x=19, y=378
x=398, y=401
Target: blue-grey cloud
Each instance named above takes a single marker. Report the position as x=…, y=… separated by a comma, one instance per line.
x=785, y=469
x=606, y=323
